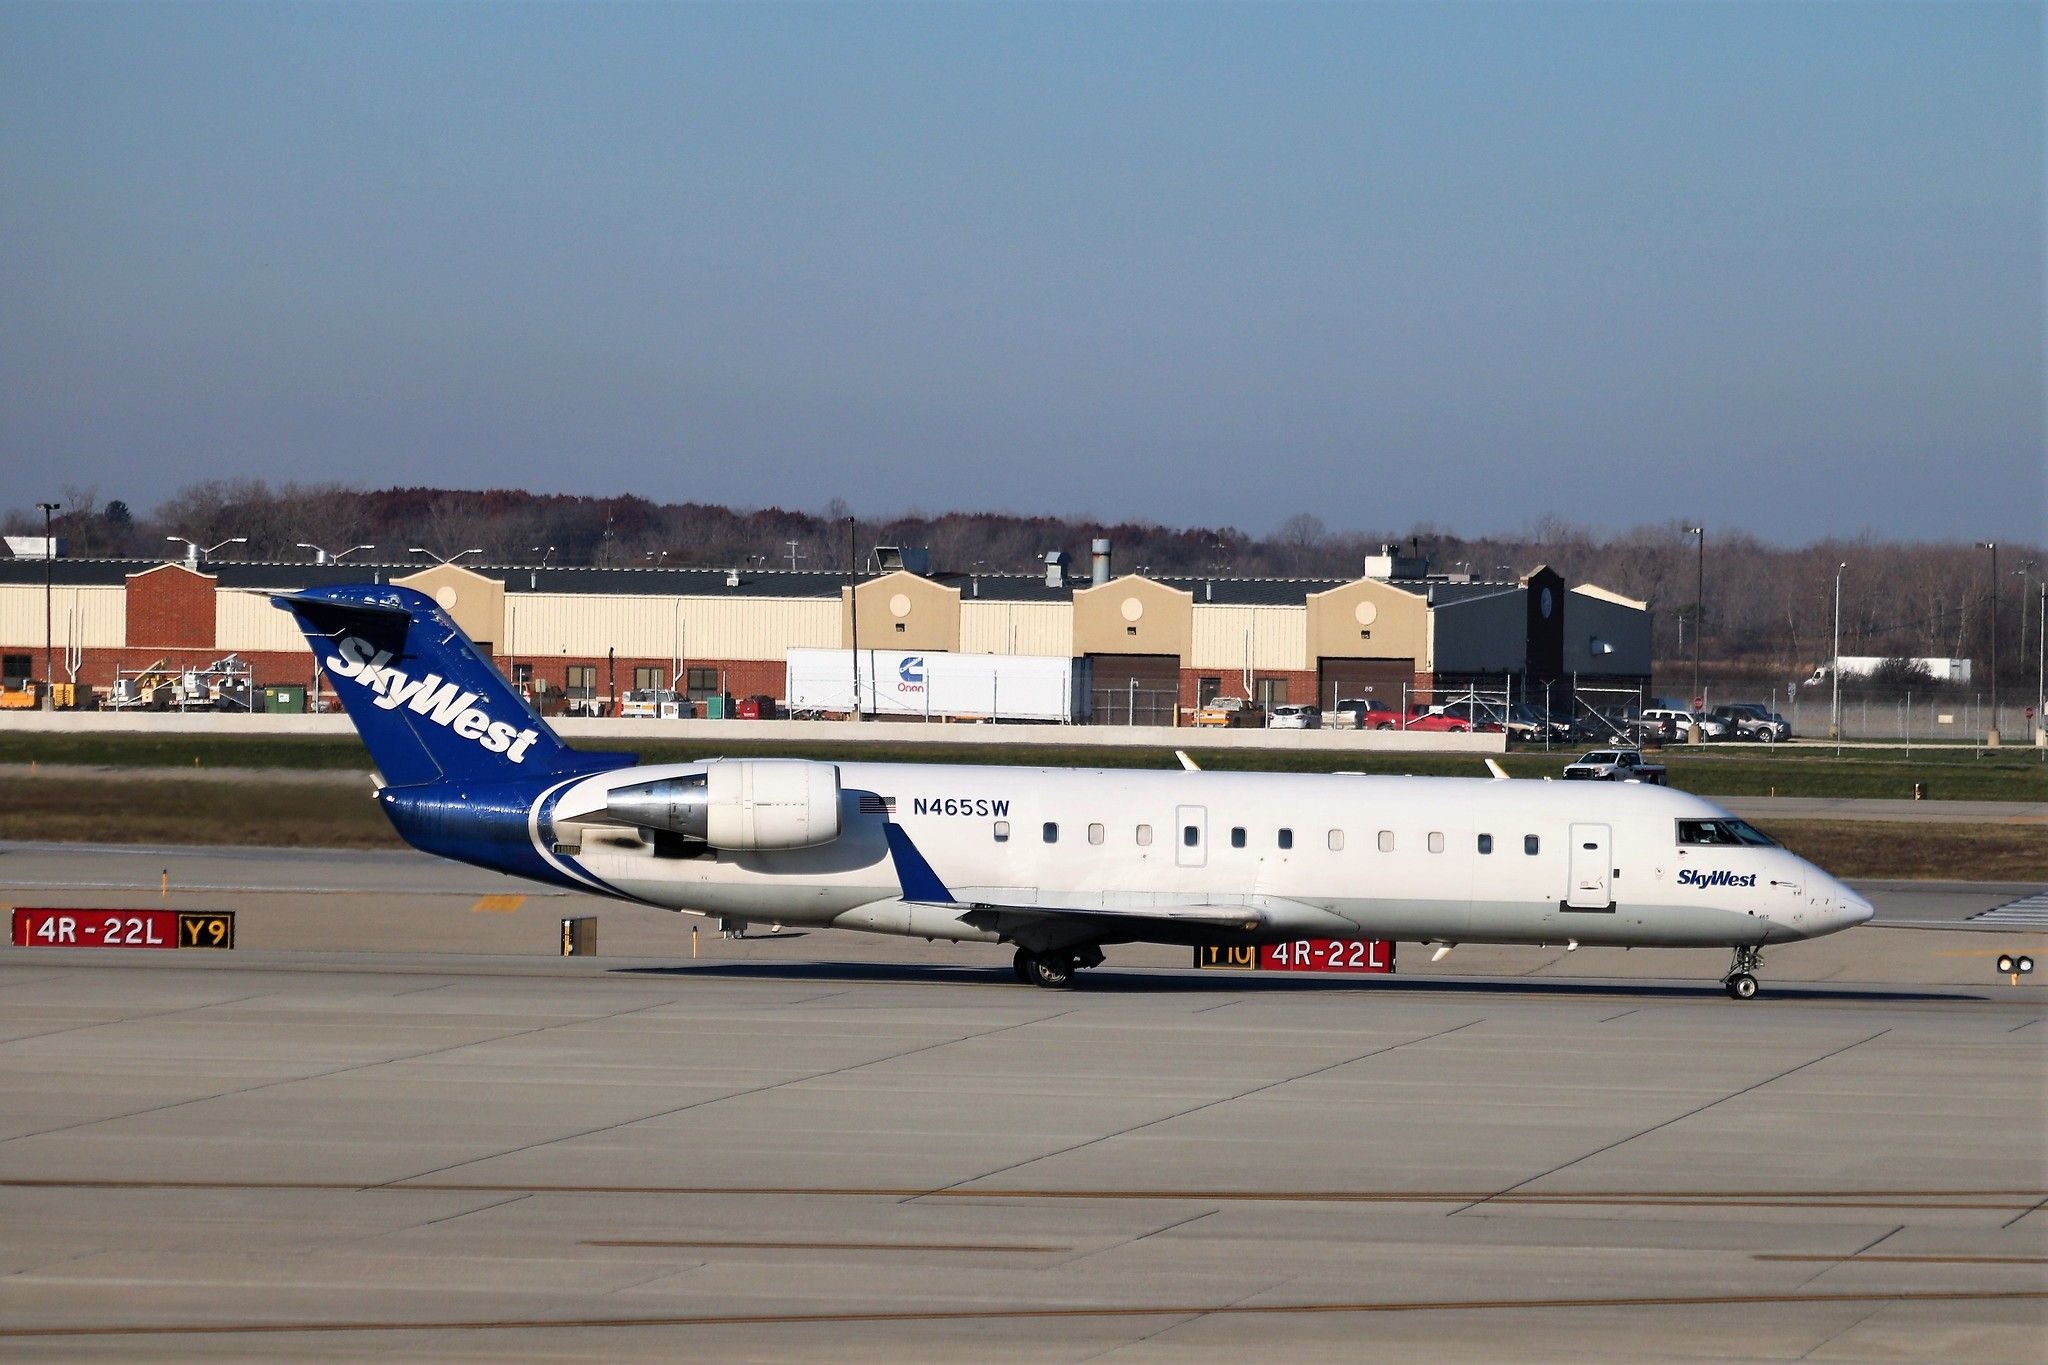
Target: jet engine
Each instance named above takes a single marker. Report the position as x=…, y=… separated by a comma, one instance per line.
x=751, y=804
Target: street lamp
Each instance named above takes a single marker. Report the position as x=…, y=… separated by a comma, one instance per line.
x=441, y=558
x=1992, y=545
x=321, y=556
x=195, y=556
x=1835, y=672
x=49, y=631
x=1699, y=592
x=544, y=557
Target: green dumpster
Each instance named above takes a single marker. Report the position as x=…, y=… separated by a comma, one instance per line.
x=717, y=708
x=284, y=699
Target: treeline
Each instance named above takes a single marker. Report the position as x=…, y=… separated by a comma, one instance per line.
x=1767, y=611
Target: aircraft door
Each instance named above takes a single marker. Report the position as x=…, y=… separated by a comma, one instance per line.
x=1591, y=886
x=1191, y=835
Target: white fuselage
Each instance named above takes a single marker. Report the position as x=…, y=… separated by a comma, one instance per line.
x=1448, y=860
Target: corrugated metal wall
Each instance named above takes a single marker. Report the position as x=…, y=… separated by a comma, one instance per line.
x=1279, y=638
x=1016, y=628
x=101, y=615
x=244, y=622
x=661, y=627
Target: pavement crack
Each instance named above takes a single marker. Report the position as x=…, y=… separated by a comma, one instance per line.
x=133, y=1018
x=1676, y=1118
x=399, y=1181
x=1194, y=1109
x=331, y=1072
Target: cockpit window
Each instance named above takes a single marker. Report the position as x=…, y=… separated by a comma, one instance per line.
x=1726, y=832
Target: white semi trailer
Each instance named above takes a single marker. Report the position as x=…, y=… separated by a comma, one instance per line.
x=918, y=684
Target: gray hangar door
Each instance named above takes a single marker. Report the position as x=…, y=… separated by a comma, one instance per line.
x=1135, y=689
x=1368, y=679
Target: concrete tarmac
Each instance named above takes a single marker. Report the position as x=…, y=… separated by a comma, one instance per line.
x=387, y=1123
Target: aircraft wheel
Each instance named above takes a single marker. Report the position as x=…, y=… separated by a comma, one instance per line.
x=1053, y=971
x=1021, y=965
x=1741, y=986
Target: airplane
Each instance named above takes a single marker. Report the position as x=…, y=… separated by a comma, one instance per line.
x=1057, y=863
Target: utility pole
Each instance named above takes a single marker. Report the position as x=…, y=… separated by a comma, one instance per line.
x=49, y=630
x=794, y=553
x=853, y=610
x=1835, y=669
x=1699, y=592
x=1991, y=736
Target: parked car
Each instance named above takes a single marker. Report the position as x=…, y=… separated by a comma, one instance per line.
x=1448, y=722
x=1228, y=711
x=1361, y=713
x=1672, y=725
x=1614, y=765
x=1753, y=720
x=1292, y=717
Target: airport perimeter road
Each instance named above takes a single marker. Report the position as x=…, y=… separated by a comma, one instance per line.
x=829, y=1146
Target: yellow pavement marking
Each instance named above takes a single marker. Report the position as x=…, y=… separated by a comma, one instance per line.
x=498, y=903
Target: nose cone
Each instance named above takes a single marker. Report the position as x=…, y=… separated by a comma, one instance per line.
x=1851, y=909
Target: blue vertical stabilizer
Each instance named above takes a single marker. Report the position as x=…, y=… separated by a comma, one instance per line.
x=429, y=706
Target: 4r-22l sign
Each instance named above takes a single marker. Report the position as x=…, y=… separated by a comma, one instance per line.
x=1351, y=955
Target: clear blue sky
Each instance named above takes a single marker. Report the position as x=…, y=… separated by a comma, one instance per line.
x=1776, y=267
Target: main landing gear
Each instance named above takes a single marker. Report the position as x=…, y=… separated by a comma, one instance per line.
x=1056, y=968
x=1741, y=979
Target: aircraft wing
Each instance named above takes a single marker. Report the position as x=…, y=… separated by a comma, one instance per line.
x=1038, y=925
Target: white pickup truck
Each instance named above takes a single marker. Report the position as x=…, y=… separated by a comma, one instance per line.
x=1615, y=765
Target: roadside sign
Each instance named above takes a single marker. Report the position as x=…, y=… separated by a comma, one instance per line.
x=1362, y=955
x=39, y=927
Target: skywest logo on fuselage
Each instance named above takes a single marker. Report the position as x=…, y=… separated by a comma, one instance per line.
x=958, y=805
x=1692, y=876
x=440, y=702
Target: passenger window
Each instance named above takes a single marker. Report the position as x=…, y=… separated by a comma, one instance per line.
x=1095, y=834
x=1237, y=836
x=1386, y=841
x=1052, y=832
x=1002, y=831
x=1336, y=841
x=1486, y=843
x=1287, y=838
x=1529, y=844
x=1190, y=835
x=1144, y=836
x=1436, y=841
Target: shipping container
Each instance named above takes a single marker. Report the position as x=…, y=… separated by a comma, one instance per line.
x=940, y=686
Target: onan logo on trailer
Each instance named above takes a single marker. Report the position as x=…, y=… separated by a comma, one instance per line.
x=1692, y=876
x=911, y=673
x=438, y=701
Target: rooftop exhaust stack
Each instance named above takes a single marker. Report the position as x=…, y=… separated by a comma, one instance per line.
x=1055, y=568
x=1099, y=573
x=1390, y=563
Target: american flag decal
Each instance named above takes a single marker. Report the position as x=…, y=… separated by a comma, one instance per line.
x=871, y=804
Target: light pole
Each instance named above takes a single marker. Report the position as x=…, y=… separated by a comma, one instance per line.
x=544, y=557
x=321, y=556
x=195, y=556
x=1991, y=737
x=1835, y=669
x=853, y=610
x=1699, y=593
x=49, y=630
x=438, y=557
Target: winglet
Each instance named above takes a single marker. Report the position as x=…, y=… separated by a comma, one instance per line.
x=1186, y=762
x=1500, y=774
x=914, y=874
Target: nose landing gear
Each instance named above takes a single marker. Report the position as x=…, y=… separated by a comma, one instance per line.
x=1741, y=979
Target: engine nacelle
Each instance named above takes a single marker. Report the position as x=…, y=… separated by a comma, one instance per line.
x=749, y=803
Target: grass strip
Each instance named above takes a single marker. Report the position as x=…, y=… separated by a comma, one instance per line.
x=1952, y=774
